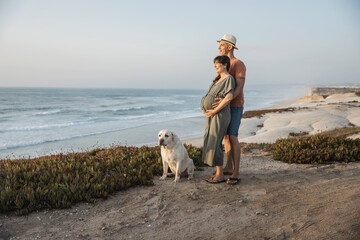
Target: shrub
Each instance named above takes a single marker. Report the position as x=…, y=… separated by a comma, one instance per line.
x=57, y=181
x=195, y=154
x=317, y=149
x=294, y=134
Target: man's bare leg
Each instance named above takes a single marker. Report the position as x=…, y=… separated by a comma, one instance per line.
x=229, y=156
x=235, y=150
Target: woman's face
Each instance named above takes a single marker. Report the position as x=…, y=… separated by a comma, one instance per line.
x=219, y=68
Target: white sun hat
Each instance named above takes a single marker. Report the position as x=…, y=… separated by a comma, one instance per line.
x=231, y=39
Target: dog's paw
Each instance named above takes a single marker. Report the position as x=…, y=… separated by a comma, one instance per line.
x=163, y=177
x=177, y=179
x=190, y=177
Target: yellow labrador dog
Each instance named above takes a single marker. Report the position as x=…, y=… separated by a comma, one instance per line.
x=175, y=156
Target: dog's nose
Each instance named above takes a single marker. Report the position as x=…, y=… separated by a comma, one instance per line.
x=161, y=141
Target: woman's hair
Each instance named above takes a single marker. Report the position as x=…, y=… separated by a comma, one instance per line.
x=224, y=60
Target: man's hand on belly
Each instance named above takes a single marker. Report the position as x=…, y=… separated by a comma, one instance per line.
x=215, y=104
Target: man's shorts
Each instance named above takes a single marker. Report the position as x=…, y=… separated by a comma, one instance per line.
x=236, y=115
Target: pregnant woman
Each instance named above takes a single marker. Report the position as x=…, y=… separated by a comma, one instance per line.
x=218, y=119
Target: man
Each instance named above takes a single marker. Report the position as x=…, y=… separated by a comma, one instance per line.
x=231, y=142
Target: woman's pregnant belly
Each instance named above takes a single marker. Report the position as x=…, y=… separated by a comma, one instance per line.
x=207, y=102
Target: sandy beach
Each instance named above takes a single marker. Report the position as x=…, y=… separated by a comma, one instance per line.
x=274, y=200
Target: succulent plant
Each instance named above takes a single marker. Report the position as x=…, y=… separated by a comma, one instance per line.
x=57, y=181
x=317, y=149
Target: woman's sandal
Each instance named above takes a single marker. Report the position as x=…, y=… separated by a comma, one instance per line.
x=212, y=180
x=209, y=178
x=233, y=181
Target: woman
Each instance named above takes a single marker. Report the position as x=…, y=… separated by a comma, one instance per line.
x=218, y=119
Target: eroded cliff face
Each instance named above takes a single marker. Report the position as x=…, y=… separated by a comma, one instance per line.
x=326, y=91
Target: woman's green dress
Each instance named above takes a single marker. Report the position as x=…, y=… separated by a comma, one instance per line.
x=216, y=126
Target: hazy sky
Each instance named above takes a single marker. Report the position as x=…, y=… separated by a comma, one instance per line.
x=171, y=44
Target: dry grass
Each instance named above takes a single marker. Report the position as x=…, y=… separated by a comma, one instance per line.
x=260, y=113
x=341, y=132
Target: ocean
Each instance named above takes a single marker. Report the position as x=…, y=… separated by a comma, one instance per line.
x=43, y=121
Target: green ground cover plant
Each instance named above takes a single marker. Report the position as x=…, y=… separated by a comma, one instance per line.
x=60, y=180
x=317, y=149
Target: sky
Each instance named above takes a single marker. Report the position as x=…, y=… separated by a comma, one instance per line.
x=172, y=44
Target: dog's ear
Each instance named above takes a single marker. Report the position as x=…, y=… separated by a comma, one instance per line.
x=172, y=137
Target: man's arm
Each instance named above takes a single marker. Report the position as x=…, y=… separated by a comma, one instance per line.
x=240, y=82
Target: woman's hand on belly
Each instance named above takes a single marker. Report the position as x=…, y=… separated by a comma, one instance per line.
x=209, y=113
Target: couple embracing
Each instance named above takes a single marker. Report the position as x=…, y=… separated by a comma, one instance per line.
x=223, y=106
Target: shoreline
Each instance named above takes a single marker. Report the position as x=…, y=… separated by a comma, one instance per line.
x=123, y=137
x=315, y=112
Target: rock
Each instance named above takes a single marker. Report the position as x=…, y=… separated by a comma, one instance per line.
x=311, y=98
x=193, y=196
x=143, y=215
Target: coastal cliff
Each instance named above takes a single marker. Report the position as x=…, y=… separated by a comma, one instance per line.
x=326, y=91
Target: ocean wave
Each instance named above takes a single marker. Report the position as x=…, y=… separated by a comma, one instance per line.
x=141, y=116
x=33, y=143
x=130, y=108
x=23, y=108
x=133, y=110
x=168, y=100
x=146, y=117
x=174, y=102
x=45, y=127
x=46, y=113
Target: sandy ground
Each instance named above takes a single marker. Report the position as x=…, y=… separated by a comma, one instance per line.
x=274, y=200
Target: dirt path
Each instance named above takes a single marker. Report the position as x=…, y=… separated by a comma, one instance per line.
x=273, y=201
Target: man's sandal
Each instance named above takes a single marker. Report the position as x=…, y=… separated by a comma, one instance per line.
x=233, y=181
